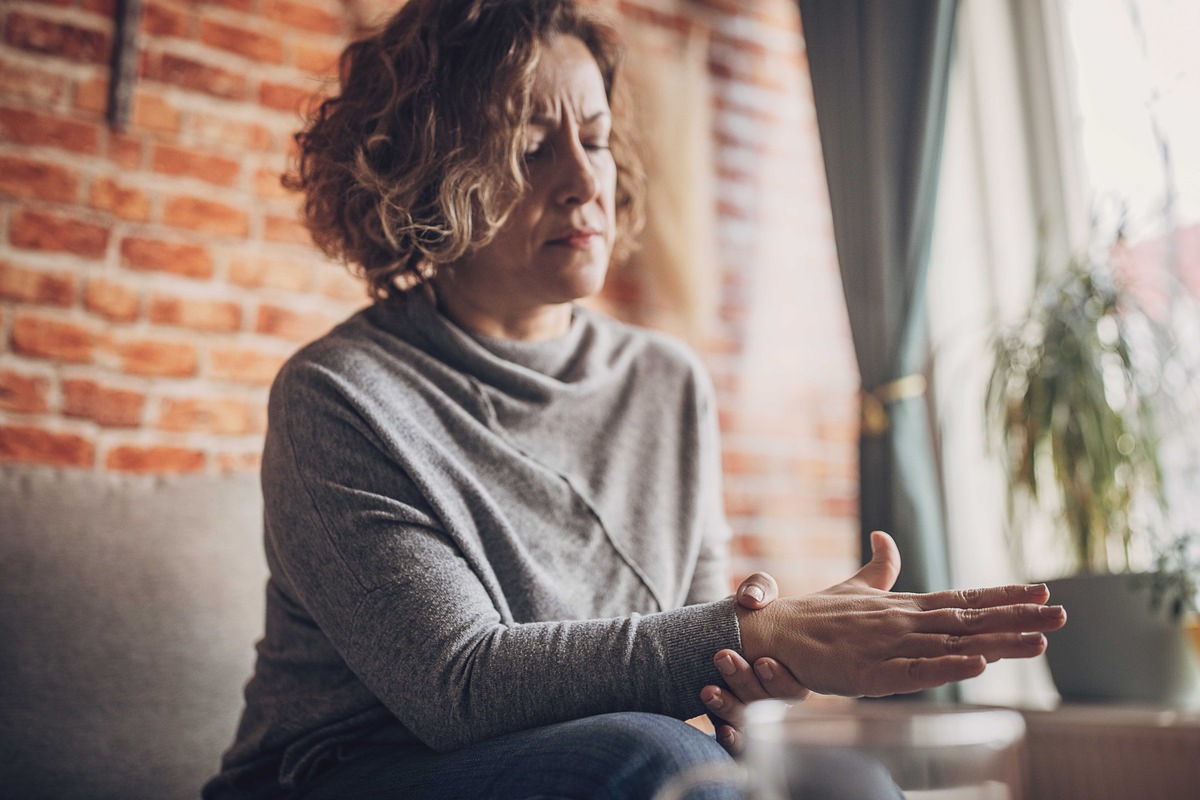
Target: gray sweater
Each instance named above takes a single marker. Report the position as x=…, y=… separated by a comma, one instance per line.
x=470, y=536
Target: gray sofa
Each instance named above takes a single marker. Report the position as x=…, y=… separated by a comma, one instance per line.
x=129, y=608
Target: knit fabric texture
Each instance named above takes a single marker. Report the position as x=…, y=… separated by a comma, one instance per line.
x=471, y=536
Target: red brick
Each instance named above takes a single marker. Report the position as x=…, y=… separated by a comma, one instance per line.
x=239, y=462
x=317, y=59
x=36, y=286
x=739, y=462
x=23, y=394
x=236, y=5
x=112, y=300
x=296, y=326
x=63, y=40
x=105, y=7
x=267, y=184
x=234, y=39
x=655, y=18
x=57, y=339
x=55, y=233
x=22, y=177
x=744, y=545
x=47, y=130
x=156, y=357
x=288, y=230
x=39, y=446
x=177, y=258
x=304, y=16
x=91, y=95
x=288, y=97
x=228, y=132
x=21, y=81
x=125, y=150
x=196, y=76
x=203, y=315
x=154, y=459
x=159, y=19
x=154, y=112
x=838, y=432
x=196, y=164
x=339, y=284
x=123, y=202
x=258, y=272
x=841, y=507
x=217, y=415
x=244, y=365
x=207, y=216
x=104, y=405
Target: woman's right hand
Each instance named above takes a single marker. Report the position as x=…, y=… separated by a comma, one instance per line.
x=859, y=638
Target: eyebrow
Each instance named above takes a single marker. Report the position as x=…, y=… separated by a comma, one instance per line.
x=548, y=121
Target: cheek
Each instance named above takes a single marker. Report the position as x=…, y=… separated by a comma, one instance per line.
x=608, y=193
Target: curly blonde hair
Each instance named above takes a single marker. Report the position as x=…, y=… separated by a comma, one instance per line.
x=418, y=159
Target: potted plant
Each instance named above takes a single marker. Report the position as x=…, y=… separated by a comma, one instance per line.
x=1174, y=584
x=1076, y=405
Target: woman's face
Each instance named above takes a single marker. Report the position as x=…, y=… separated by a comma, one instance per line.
x=555, y=245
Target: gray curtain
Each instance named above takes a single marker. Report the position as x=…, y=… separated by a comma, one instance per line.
x=879, y=73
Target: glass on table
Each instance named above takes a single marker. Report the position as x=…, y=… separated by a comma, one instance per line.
x=872, y=750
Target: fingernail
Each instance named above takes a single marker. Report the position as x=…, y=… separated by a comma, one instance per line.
x=756, y=593
x=1037, y=588
x=1052, y=611
x=1032, y=638
x=764, y=671
x=725, y=665
x=726, y=737
x=716, y=701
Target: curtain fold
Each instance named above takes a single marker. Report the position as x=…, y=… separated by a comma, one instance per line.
x=879, y=73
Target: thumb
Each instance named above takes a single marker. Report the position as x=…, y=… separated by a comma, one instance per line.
x=757, y=591
x=884, y=567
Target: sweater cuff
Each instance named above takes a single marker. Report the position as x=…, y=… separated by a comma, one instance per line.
x=689, y=638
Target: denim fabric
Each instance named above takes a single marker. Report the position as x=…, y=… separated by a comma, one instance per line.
x=622, y=756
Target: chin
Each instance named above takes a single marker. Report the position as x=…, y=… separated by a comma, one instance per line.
x=589, y=281
x=583, y=278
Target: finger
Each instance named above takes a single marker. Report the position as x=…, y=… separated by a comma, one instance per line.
x=905, y=675
x=1027, y=617
x=884, y=567
x=730, y=738
x=985, y=598
x=778, y=680
x=723, y=705
x=757, y=591
x=739, y=677
x=992, y=646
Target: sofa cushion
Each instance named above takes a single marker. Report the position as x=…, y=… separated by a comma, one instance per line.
x=129, y=608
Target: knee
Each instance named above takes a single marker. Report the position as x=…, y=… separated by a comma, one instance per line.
x=649, y=750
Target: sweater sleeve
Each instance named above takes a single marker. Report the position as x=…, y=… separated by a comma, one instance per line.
x=711, y=577
x=418, y=623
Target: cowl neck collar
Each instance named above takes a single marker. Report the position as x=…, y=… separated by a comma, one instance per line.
x=570, y=363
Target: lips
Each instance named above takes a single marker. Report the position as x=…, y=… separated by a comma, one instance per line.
x=579, y=238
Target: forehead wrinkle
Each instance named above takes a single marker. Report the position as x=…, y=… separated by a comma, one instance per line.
x=549, y=119
x=566, y=80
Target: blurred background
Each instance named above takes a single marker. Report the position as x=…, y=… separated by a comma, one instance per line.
x=153, y=275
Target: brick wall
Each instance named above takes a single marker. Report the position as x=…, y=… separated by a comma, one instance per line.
x=152, y=280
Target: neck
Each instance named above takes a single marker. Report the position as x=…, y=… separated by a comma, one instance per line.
x=537, y=324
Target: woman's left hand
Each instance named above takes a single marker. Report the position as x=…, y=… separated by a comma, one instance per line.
x=766, y=679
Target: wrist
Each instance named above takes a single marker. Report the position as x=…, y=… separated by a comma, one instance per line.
x=753, y=628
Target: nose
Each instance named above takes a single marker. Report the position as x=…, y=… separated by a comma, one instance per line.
x=577, y=180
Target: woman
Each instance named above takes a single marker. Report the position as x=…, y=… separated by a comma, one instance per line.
x=492, y=517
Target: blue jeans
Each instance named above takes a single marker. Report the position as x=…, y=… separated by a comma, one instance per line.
x=624, y=756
